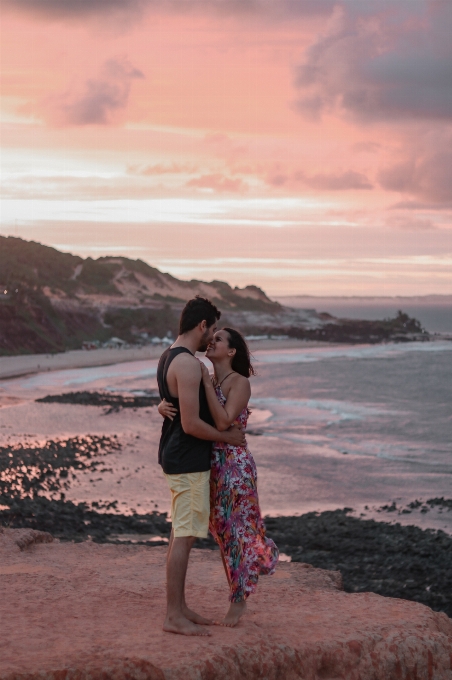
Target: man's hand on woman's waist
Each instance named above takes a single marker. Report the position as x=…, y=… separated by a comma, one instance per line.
x=234, y=436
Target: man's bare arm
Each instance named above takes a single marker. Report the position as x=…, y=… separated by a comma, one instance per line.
x=188, y=376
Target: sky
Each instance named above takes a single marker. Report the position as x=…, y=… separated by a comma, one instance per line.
x=304, y=146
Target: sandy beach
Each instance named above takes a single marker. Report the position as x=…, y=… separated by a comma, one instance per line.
x=24, y=364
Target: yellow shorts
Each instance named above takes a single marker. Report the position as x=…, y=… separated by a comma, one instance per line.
x=190, y=503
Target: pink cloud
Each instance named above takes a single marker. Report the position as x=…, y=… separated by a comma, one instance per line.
x=162, y=169
x=425, y=172
x=102, y=97
x=223, y=146
x=218, y=182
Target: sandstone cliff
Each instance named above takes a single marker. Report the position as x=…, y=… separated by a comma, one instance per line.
x=76, y=611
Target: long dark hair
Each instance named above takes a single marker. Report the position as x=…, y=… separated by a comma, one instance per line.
x=241, y=363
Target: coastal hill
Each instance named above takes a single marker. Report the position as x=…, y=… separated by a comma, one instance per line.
x=52, y=301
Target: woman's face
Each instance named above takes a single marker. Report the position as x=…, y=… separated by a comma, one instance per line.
x=219, y=347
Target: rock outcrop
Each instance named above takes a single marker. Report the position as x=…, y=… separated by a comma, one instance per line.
x=75, y=611
x=20, y=539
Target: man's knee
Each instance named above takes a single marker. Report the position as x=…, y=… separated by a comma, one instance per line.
x=183, y=542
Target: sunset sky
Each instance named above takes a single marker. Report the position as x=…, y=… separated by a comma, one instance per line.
x=300, y=145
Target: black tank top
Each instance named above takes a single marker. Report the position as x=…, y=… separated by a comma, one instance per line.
x=180, y=452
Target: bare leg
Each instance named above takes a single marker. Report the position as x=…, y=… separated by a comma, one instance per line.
x=236, y=611
x=170, y=544
x=190, y=614
x=177, y=562
x=225, y=568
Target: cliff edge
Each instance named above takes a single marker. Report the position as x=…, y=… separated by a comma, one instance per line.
x=76, y=611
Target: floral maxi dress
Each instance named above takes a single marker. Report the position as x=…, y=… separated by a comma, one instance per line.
x=235, y=518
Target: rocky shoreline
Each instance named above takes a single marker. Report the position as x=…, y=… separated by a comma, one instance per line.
x=387, y=559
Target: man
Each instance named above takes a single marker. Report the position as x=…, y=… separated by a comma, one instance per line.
x=184, y=454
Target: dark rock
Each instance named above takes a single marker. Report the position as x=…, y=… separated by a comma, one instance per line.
x=71, y=522
x=29, y=470
x=388, y=559
x=114, y=401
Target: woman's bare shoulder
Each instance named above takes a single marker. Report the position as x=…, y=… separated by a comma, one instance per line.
x=239, y=381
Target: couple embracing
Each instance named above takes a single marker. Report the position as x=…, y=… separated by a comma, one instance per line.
x=206, y=462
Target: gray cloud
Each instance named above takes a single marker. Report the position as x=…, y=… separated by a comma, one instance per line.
x=382, y=61
x=102, y=97
x=366, y=147
x=335, y=181
x=411, y=223
x=277, y=9
x=341, y=181
x=427, y=176
x=76, y=8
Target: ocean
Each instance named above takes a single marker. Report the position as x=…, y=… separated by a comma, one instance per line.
x=363, y=427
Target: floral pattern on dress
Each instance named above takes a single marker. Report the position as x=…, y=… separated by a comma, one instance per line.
x=235, y=518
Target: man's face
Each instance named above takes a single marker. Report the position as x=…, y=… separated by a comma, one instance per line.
x=207, y=337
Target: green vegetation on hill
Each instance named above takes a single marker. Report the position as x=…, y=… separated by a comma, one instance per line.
x=98, y=277
x=137, y=266
x=127, y=323
x=26, y=264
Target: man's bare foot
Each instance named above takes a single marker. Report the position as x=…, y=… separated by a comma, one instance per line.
x=196, y=618
x=183, y=626
x=236, y=611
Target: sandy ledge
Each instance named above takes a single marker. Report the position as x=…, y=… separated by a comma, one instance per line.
x=95, y=611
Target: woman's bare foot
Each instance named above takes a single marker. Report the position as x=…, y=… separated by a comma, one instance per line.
x=196, y=618
x=183, y=626
x=236, y=611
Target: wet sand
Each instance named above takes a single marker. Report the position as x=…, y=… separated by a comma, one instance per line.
x=25, y=364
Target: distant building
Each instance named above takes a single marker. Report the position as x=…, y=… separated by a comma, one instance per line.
x=115, y=343
x=90, y=344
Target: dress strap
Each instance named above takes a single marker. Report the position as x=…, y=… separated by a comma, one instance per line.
x=227, y=376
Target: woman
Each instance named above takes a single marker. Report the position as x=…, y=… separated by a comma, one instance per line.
x=235, y=519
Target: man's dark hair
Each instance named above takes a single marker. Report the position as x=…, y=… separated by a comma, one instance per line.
x=195, y=311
